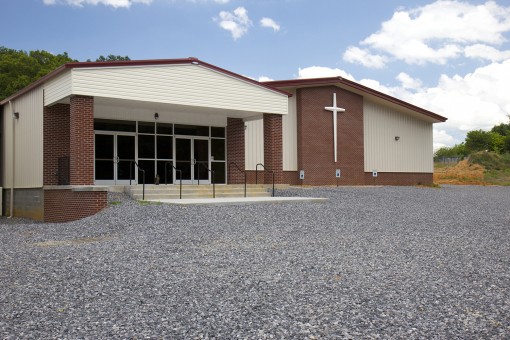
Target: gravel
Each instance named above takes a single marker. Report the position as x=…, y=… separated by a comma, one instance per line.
x=369, y=263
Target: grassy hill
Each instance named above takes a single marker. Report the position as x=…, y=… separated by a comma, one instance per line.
x=481, y=168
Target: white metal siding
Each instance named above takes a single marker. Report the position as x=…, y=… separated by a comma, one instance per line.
x=254, y=143
x=57, y=89
x=190, y=85
x=28, y=143
x=413, y=152
x=289, y=127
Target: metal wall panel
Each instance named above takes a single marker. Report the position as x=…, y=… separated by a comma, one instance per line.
x=254, y=143
x=412, y=152
x=28, y=141
x=289, y=127
x=190, y=85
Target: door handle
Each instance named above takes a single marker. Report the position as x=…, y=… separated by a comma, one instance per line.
x=194, y=161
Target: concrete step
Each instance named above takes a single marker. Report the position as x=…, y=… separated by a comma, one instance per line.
x=155, y=192
x=191, y=195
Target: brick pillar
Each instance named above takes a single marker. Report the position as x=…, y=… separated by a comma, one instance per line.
x=235, y=149
x=273, y=148
x=55, y=141
x=82, y=140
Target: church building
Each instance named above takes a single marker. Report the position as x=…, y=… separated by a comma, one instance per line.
x=89, y=125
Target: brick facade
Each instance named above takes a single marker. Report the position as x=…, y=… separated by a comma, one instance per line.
x=68, y=205
x=55, y=140
x=68, y=138
x=273, y=148
x=81, y=160
x=315, y=136
x=235, y=150
x=399, y=178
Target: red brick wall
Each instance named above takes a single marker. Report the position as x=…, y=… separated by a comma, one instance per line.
x=55, y=140
x=273, y=148
x=399, y=178
x=235, y=150
x=68, y=205
x=81, y=159
x=315, y=136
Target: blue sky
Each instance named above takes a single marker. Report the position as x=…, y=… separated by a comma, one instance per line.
x=451, y=57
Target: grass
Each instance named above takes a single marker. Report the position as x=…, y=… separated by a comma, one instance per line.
x=115, y=203
x=481, y=168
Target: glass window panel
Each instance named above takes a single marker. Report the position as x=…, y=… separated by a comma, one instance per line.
x=104, y=147
x=219, y=172
x=104, y=170
x=191, y=130
x=126, y=147
x=218, y=149
x=148, y=166
x=169, y=174
x=145, y=146
x=217, y=132
x=145, y=127
x=164, y=129
x=183, y=149
x=114, y=125
x=165, y=147
x=123, y=171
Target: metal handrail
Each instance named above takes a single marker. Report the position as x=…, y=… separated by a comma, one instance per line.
x=212, y=173
x=256, y=175
x=180, y=177
x=143, y=173
x=238, y=168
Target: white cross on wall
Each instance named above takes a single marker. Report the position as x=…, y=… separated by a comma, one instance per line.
x=335, y=109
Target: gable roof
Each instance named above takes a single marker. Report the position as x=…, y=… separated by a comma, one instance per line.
x=124, y=63
x=355, y=87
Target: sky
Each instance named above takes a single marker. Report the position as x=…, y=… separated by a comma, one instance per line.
x=450, y=57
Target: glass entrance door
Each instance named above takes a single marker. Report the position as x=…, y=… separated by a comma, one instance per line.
x=192, y=158
x=114, y=154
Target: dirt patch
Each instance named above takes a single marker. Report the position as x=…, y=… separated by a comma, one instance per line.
x=461, y=173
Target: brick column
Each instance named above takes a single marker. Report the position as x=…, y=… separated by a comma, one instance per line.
x=55, y=141
x=235, y=149
x=82, y=140
x=273, y=148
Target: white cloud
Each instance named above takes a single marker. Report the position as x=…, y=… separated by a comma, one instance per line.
x=113, y=3
x=264, y=78
x=362, y=56
x=323, y=72
x=438, y=32
x=236, y=22
x=408, y=82
x=486, y=52
x=270, y=23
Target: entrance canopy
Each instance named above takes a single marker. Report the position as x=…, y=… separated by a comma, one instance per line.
x=184, y=84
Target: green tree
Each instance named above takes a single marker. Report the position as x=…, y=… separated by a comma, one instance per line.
x=456, y=151
x=479, y=140
x=20, y=68
x=112, y=57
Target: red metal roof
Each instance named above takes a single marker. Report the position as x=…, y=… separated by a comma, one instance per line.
x=353, y=85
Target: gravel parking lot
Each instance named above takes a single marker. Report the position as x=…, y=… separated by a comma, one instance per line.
x=369, y=263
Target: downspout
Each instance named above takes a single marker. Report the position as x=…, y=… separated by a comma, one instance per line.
x=13, y=161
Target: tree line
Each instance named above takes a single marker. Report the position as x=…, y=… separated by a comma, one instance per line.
x=496, y=140
x=20, y=68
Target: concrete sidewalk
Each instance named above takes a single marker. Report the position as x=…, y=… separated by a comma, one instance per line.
x=238, y=200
